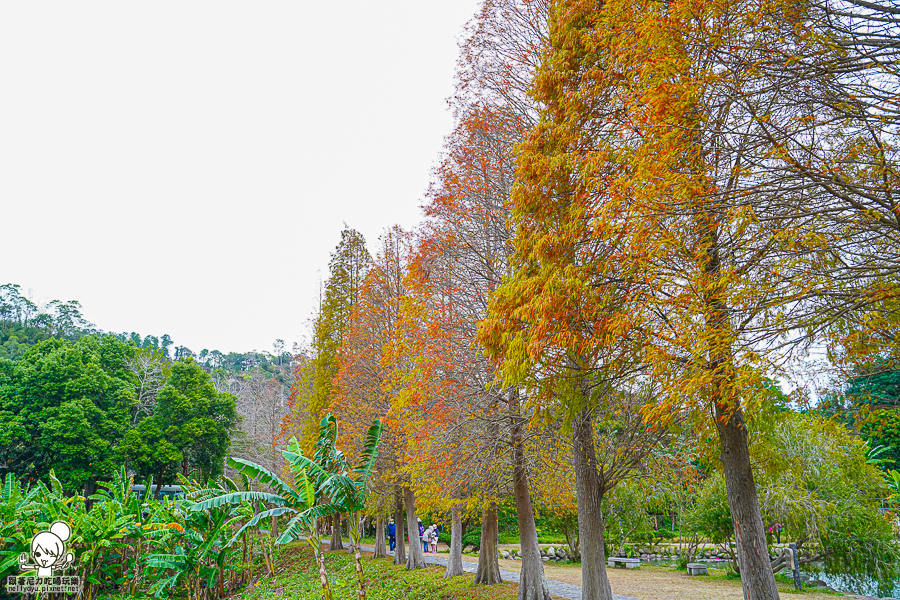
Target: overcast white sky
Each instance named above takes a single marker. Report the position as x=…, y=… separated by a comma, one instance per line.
x=185, y=167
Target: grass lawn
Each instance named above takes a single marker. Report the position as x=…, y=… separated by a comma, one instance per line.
x=298, y=579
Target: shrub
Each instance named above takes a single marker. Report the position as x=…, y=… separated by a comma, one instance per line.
x=472, y=538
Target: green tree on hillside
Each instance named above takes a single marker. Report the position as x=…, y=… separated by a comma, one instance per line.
x=23, y=323
x=63, y=406
x=189, y=429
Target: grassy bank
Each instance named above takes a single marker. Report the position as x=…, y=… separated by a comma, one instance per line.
x=298, y=579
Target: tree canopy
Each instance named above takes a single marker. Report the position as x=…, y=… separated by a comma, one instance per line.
x=71, y=406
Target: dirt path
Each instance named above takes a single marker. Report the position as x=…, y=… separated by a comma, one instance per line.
x=655, y=583
x=646, y=583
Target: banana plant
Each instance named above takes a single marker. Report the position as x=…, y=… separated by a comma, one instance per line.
x=326, y=475
x=18, y=507
x=299, y=504
x=875, y=456
x=101, y=534
x=893, y=481
x=55, y=505
x=152, y=522
x=203, y=553
x=346, y=487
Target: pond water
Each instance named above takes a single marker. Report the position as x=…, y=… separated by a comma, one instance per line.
x=867, y=587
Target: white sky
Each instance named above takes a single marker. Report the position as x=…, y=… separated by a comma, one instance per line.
x=185, y=167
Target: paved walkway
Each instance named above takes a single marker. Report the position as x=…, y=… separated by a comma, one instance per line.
x=557, y=588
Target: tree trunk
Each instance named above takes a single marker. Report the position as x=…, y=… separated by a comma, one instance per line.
x=532, y=583
x=158, y=485
x=380, y=546
x=757, y=577
x=323, y=576
x=488, y=572
x=454, y=563
x=416, y=558
x=90, y=488
x=399, y=520
x=594, y=580
x=336, y=543
x=355, y=540
x=572, y=540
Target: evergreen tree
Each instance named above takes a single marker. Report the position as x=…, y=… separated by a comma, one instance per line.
x=347, y=267
x=63, y=406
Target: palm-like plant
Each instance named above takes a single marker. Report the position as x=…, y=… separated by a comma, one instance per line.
x=298, y=503
x=893, y=481
x=17, y=507
x=203, y=548
x=346, y=487
x=326, y=475
x=875, y=456
x=101, y=534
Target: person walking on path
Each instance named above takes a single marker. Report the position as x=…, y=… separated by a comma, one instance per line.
x=392, y=534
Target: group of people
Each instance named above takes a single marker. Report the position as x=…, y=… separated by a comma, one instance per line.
x=428, y=536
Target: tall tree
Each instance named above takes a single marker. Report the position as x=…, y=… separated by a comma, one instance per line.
x=347, y=268
x=479, y=428
x=372, y=380
x=843, y=89
x=260, y=409
x=150, y=370
x=65, y=406
x=189, y=430
x=655, y=220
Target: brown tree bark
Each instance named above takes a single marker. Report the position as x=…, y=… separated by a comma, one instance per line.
x=594, y=580
x=399, y=520
x=336, y=543
x=532, y=582
x=454, y=563
x=380, y=546
x=757, y=577
x=159, y=479
x=488, y=572
x=416, y=557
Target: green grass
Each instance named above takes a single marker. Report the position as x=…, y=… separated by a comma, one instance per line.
x=785, y=583
x=297, y=578
x=300, y=581
x=551, y=538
